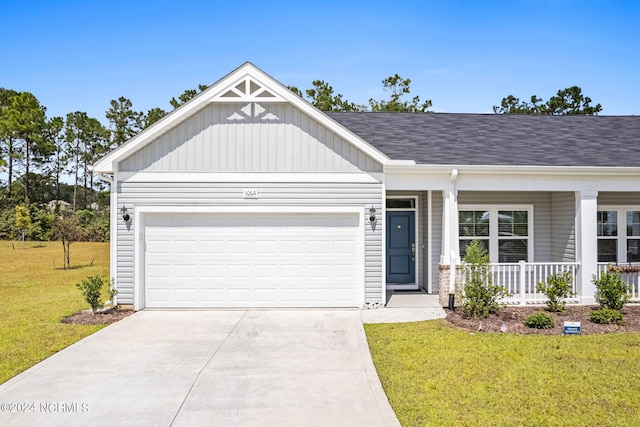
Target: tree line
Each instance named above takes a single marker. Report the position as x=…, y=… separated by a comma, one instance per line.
x=37, y=152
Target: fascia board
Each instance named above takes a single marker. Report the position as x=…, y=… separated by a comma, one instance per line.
x=511, y=170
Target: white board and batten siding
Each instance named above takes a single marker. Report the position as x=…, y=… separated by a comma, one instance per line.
x=253, y=137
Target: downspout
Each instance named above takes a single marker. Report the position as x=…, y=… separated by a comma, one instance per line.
x=453, y=236
x=112, y=228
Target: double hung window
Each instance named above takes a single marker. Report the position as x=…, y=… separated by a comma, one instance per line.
x=619, y=235
x=505, y=232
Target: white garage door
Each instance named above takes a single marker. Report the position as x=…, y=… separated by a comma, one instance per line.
x=257, y=260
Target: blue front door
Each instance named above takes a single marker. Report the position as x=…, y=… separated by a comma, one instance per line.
x=401, y=247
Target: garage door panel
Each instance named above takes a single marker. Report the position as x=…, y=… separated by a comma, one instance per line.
x=212, y=296
x=269, y=260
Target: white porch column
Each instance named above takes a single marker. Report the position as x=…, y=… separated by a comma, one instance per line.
x=450, y=245
x=586, y=243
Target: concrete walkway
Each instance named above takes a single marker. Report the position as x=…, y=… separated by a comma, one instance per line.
x=191, y=368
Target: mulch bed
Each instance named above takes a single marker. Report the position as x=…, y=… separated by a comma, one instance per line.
x=513, y=319
x=102, y=317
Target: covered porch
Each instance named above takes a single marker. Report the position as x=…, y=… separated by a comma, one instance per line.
x=533, y=223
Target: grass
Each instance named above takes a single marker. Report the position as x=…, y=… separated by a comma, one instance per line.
x=437, y=375
x=36, y=297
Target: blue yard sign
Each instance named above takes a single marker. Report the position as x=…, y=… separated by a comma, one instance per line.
x=572, y=328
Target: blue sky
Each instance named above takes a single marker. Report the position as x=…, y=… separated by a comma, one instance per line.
x=463, y=55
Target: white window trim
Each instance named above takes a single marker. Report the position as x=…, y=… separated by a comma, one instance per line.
x=494, y=236
x=621, y=238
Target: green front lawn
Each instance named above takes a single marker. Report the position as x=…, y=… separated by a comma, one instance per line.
x=438, y=375
x=36, y=296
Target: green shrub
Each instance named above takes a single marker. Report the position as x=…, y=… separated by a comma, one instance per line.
x=91, y=288
x=557, y=289
x=539, y=320
x=611, y=291
x=607, y=315
x=480, y=297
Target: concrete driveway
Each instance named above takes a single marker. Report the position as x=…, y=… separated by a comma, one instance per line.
x=190, y=368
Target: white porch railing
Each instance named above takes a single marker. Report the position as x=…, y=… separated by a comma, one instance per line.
x=628, y=275
x=521, y=280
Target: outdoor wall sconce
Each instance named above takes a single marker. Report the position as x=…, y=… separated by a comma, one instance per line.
x=372, y=214
x=125, y=214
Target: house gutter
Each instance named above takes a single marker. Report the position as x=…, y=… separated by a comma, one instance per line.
x=407, y=168
x=113, y=229
x=453, y=225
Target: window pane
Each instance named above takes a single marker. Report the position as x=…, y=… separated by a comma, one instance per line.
x=513, y=223
x=400, y=203
x=607, y=223
x=505, y=223
x=513, y=250
x=464, y=243
x=633, y=250
x=466, y=223
x=607, y=250
x=482, y=229
x=633, y=223
x=473, y=223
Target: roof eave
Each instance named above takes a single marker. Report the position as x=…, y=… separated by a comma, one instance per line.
x=510, y=170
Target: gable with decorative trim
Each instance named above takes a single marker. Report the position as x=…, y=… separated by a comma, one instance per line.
x=249, y=136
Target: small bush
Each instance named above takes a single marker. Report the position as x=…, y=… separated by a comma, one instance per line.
x=480, y=297
x=607, y=315
x=611, y=291
x=557, y=289
x=539, y=320
x=91, y=288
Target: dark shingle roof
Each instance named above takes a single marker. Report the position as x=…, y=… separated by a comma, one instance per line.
x=495, y=139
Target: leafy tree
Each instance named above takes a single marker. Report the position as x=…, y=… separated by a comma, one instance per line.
x=481, y=297
x=23, y=220
x=572, y=101
x=23, y=120
x=322, y=97
x=557, y=289
x=41, y=223
x=398, y=88
x=566, y=101
x=86, y=139
x=54, y=137
x=152, y=116
x=186, y=96
x=512, y=105
x=8, y=143
x=125, y=122
x=94, y=225
x=611, y=291
x=91, y=289
x=7, y=224
x=67, y=230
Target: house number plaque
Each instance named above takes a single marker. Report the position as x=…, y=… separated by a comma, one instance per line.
x=250, y=193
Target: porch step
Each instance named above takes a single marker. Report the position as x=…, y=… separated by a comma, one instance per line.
x=412, y=299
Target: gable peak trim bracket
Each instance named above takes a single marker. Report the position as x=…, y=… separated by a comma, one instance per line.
x=247, y=89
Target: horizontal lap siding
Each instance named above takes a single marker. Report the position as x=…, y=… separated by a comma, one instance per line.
x=619, y=199
x=270, y=194
x=250, y=138
x=563, y=227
